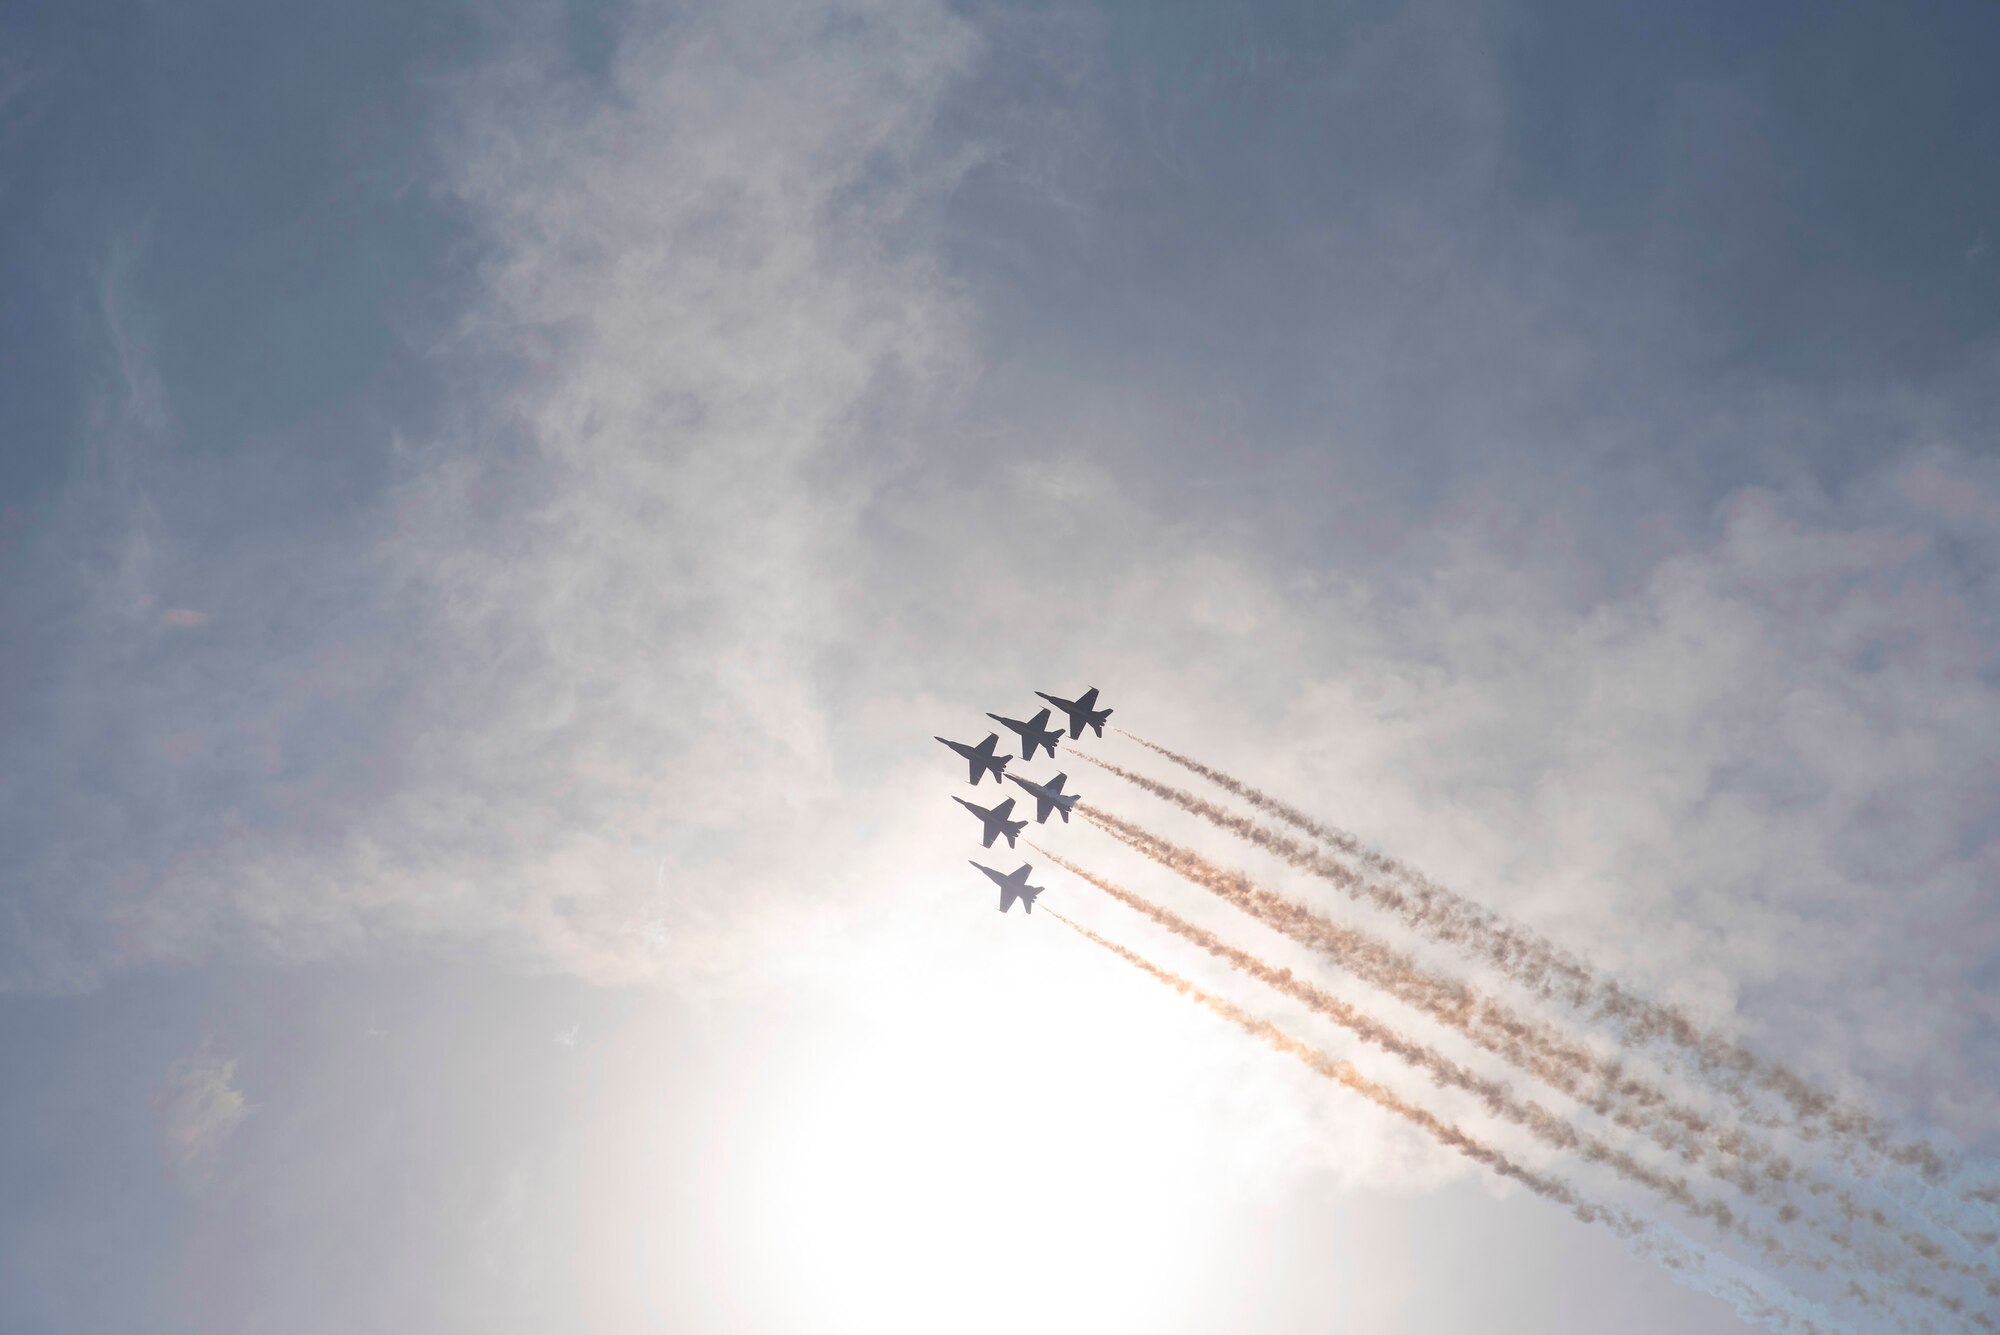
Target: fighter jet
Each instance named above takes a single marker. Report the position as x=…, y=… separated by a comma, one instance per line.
x=995, y=820
x=1035, y=732
x=1081, y=711
x=981, y=758
x=1048, y=796
x=1013, y=885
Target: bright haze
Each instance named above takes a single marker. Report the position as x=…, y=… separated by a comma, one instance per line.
x=497, y=499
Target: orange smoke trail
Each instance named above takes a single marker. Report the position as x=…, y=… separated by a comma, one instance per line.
x=1531, y=1048
x=1613, y=1081
x=1497, y=1098
x=1550, y=1188
x=1692, y=1136
x=1537, y=1120
x=1544, y=967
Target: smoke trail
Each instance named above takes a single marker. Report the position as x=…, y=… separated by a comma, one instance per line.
x=1615, y=1082
x=1549, y=1188
x=1497, y=1098
x=1849, y=1126
x=1718, y=1143
x=1569, y=1067
x=1542, y=966
x=1501, y=1102
x=1781, y=1311
x=1534, y=1049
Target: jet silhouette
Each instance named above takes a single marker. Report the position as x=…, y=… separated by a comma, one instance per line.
x=1082, y=710
x=981, y=758
x=994, y=818
x=1035, y=732
x=1048, y=796
x=1013, y=885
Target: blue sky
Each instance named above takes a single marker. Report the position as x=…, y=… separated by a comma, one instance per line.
x=495, y=500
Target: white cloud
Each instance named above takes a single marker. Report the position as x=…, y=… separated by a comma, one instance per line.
x=1764, y=778
x=598, y=612
x=717, y=546
x=199, y=1108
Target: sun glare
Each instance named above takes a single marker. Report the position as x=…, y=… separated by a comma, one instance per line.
x=970, y=1167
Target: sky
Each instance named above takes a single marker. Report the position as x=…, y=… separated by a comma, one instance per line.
x=497, y=498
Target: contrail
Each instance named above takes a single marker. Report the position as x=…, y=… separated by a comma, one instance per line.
x=1534, y=1049
x=1497, y=1098
x=1569, y=1067
x=1549, y=1188
x=1614, y=1081
x=1501, y=1102
x=1780, y=1311
x=1715, y=1142
x=1539, y=964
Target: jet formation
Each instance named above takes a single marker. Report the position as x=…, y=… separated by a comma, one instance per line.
x=997, y=820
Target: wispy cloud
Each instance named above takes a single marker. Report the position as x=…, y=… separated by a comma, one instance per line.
x=740, y=477
x=199, y=1107
x=591, y=621
x=24, y=82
